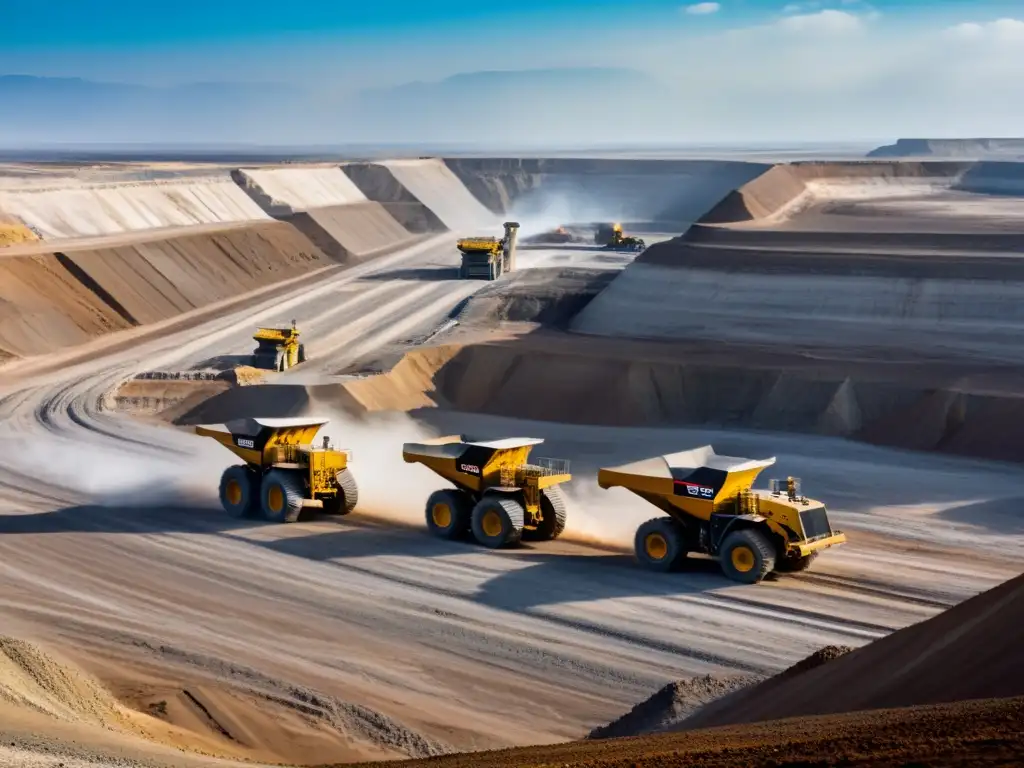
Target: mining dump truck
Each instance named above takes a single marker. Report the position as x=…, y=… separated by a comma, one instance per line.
x=500, y=495
x=278, y=349
x=711, y=508
x=284, y=473
x=611, y=236
x=488, y=257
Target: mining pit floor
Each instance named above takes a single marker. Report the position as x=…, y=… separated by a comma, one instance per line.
x=184, y=636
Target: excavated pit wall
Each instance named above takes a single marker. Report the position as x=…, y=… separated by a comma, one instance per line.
x=379, y=185
x=71, y=208
x=760, y=268
x=662, y=195
x=326, y=205
x=56, y=300
x=920, y=405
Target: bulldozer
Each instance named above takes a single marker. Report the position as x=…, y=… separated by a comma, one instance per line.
x=489, y=257
x=611, y=236
x=278, y=349
x=284, y=474
x=711, y=508
x=500, y=496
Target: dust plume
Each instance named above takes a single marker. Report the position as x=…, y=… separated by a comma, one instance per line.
x=604, y=517
x=539, y=213
x=116, y=473
x=389, y=487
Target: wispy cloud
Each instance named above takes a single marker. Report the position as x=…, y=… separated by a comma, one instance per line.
x=829, y=21
x=703, y=9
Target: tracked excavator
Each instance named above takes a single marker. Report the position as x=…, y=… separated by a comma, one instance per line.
x=488, y=257
x=284, y=473
x=711, y=508
x=612, y=237
x=500, y=497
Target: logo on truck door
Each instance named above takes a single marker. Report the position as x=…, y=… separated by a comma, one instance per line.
x=245, y=442
x=472, y=469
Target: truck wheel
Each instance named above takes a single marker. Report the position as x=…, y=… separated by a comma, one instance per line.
x=795, y=564
x=302, y=353
x=449, y=513
x=281, y=495
x=238, y=490
x=497, y=521
x=747, y=556
x=554, y=513
x=660, y=544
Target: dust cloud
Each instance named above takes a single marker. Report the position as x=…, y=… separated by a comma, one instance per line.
x=118, y=474
x=389, y=487
x=541, y=213
x=604, y=517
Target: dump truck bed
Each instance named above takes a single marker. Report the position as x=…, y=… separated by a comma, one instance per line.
x=699, y=473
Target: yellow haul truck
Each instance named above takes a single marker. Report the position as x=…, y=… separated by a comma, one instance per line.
x=500, y=496
x=712, y=509
x=277, y=349
x=283, y=473
x=489, y=257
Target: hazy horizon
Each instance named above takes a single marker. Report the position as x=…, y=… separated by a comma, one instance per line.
x=559, y=73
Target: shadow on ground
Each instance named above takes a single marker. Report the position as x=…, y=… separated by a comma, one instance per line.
x=517, y=579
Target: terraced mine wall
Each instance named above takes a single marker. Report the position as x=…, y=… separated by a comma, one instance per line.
x=879, y=257
x=73, y=209
x=917, y=405
x=58, y=299
x=379, y=185
x=976, y=148
x=329, y=208
x=666, y=195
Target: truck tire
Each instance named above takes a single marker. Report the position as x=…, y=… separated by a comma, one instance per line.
x=794, y=564
x=747, y=556
x=347, y=498
x=497, y=521
x=449, y=514
x=239, y=488
x=281, y=495
x=660, y=544
x=554, y=512
x=302, y=353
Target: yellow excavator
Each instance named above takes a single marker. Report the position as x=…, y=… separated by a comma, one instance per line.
x=488, y=257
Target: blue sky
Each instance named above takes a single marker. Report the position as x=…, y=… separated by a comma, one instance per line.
x=108, y=24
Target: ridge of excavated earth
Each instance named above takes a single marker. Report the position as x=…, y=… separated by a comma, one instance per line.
x=330, y=641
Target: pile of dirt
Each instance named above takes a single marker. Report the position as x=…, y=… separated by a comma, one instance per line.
x=13, y=232
x=34, y=679
x=982, y=733
x=971, y=651
x=671, y=705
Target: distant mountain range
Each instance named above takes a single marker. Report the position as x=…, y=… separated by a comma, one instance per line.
x=480, y=106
